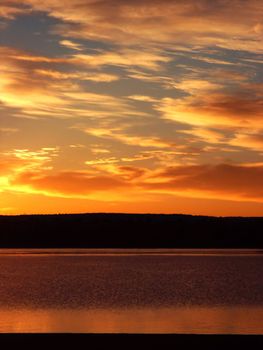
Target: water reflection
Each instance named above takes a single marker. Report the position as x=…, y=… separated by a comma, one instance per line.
x=183, y=292
x=198, y=320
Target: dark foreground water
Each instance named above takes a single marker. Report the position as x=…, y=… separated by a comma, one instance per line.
x=139, y=291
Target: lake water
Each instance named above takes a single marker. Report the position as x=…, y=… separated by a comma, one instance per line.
x=131, y=291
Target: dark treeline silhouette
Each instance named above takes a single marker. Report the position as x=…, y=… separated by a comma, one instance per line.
x=129, y=231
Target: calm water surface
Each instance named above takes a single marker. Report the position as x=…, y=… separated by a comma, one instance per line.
x=142, y=291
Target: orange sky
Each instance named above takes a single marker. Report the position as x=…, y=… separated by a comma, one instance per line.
x=131, y=106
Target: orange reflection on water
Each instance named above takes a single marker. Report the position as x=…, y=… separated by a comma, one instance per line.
x=198, y=320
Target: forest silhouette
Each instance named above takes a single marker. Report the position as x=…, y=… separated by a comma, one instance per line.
x=130, y=231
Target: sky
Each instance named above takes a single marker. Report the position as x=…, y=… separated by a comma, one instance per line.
x=140, y=106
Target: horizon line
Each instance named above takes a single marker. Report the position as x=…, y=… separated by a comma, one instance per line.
x=130, y=213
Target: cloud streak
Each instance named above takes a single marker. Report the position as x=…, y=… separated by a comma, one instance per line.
x=238, y=108
x=32, y=172
x=193, y=22
x=223, y=181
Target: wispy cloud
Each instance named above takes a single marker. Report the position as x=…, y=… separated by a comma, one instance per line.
x=220, y=181
x=71, y=45
x=119, y=134
x=239, y=108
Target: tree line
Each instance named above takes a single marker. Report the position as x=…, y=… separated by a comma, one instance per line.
x=130, y=231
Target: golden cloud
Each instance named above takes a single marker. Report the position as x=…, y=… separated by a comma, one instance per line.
x=119, y=134
x=18, y=161
x=205, y=135
x=240, y=108
x=200, y=22
x=8, y=130
x=65, y=183
x=21, y=87
x=192, y=22
x=123, y=58
x=251, y=141
x=71, y=45
x=222, y=181
x=97, y=77
x=143, y=98
x=29, y=172
x=22, y=160
x=36, y=86
x=12, y=8
x=228, y=182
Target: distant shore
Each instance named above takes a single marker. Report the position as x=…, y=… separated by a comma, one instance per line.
x=138, y=231
x=128, y=252
x=131, y=341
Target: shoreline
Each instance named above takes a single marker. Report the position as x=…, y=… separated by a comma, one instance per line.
x=128, y=252
x=131, y=341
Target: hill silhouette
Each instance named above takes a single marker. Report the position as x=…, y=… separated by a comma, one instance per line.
x=129, y=231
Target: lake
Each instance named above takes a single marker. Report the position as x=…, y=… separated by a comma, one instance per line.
x=131, y=291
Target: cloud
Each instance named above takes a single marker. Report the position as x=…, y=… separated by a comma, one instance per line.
x=128, y=173
x=253, y=141
x=199, y=23
x=239, y=108
x=222, y=181
x=27, y=171
x=143, y=98
x=123, y=58
x=9, y=164
x=205, y=135
x=71, y=45
x=36, y=86
x=20, y=84
x=120, y=135
x=11, y=8
x=24, y=159
x=193, y=86
x=33, y=172
x=109, y=180
x=115, y=160
x=193, y=22
x=90, y=76
x=18, y=161
x=76, y=183
x=8, y=130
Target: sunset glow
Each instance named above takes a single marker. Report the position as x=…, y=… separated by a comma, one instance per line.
x=131, y=106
